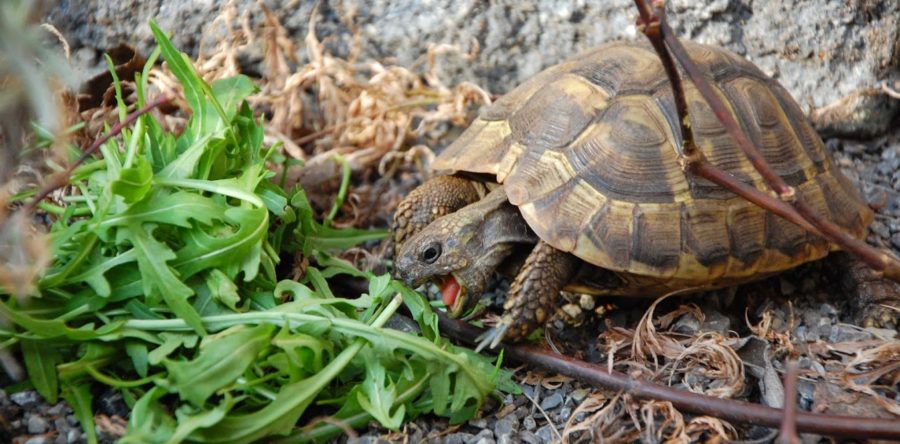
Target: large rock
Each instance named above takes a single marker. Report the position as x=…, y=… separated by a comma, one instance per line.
x=820, y=51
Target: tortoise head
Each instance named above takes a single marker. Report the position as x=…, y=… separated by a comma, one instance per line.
x=460, y=251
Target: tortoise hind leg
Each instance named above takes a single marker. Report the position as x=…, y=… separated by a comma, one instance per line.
x=532, y=296
x=875, y=299
x=436, y=197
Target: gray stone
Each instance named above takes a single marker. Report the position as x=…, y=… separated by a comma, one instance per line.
x=847, y=333
x=4, y=398
x=483, y=435
x=36, y=424
x=553, y=401
x=506, y=439
x=505, y=427
x=61, y=425
x=73, y=436
x=39, y=440
x=578, y=395
x=529, y=438
x=829, y=310
x=545, y=433
x=26, y=399
x=59, y=409
x=820, y=51
x=458, y=438
x=528, y=423
x=715, y=321
x=522, y=412
x=564, y=413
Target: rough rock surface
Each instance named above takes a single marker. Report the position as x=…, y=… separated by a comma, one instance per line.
x=820, y=51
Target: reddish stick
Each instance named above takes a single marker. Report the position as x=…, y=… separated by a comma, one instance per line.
x=656, y=29
x=727, y=409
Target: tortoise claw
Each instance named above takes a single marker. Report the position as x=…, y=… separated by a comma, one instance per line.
x=494, y=336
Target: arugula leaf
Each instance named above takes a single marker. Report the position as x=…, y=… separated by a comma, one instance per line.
x=378, y=395
x=159, y=279
x=79, y=398
x=223, y=357
x=40, y=362
x=133, y=183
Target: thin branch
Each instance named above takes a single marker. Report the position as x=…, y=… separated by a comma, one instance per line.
x=727, y=409
x=715, y=175
x=788, y=431
x=648, y=23
x=61, y=178
x=879, y=260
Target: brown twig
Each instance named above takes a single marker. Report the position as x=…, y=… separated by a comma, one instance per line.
x=661, y=31
x=648, y=23
x=727, y=409
x=788, y=432
x=61, y=178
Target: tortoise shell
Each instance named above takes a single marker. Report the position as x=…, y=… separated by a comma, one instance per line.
x=588, y=151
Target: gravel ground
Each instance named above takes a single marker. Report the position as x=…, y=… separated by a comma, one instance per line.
x=818, y=307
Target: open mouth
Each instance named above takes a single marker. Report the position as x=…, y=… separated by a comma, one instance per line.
x=452, y=294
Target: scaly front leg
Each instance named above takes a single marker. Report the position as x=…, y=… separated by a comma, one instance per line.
x=532, y=296
x=437, y=197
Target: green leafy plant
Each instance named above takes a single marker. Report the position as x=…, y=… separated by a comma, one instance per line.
x=164, y=286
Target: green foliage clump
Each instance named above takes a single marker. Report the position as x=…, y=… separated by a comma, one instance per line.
x=164, y=286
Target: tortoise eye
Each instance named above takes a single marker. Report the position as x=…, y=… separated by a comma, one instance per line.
x=431, y=253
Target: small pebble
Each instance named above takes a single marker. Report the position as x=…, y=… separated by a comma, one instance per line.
x=522, y=412
x=39, y=440
x=458, y=438
x=529, y=423
x=880, y=229
x=895, y=240
x=529, y=438
x=37, y=425
x=564, y=413
x=545, y=433
x=716, y=321
x=58, y=409
x=802, y=334
x=578, y=395
x=686, y=324
x=829, y=310
x=505, y=427
x=73, y=436
x=482, y=436
x=479, y=423
x=551, y=402
x=529, y=390
x=25, y=399
x=60, y=424
x=846, y=333
x=4, y=398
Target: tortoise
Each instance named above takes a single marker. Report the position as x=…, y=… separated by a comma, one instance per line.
x=579, y=164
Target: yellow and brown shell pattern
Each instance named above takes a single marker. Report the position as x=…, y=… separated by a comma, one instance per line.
x=588, y=150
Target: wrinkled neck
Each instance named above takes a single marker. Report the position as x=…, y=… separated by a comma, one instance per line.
x=499, y=229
